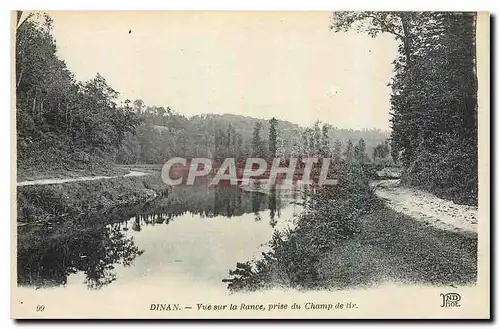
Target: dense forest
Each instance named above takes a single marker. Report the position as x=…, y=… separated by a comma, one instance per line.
x=164, y=134
x=434, y=96
x=62, y=123
x=66, y=124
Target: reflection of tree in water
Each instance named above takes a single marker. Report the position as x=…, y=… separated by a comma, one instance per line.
x=209, y=202
x=136, y=226
x=154, y=218
x=212, y=201
x=114, y=248
x=48, y=254
x=256, y=202
x=272, y=206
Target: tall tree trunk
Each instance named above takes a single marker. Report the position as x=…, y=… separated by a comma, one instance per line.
x=406, y=37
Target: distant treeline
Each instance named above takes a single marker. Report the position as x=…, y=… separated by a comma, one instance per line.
x=434, y=95
x=165, y=134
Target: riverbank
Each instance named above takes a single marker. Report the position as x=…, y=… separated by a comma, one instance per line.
x=85, y=197
x=349, y=238
x=388, y=248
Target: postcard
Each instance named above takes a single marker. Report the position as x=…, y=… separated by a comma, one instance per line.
x=250, y=165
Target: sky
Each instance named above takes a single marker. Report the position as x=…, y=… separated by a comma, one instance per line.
x=289, y=65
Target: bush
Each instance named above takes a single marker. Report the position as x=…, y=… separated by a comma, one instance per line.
x=449, y=170
x=331, y=214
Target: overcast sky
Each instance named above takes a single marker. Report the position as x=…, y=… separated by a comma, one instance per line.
x=287, y=65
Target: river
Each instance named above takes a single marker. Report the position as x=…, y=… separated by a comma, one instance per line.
x=192, y=237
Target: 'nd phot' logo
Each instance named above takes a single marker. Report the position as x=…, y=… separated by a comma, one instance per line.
x=451, y=299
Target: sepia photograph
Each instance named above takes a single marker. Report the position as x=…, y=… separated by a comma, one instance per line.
x=250, y=165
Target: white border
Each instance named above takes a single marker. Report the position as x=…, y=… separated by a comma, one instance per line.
x=476, y=5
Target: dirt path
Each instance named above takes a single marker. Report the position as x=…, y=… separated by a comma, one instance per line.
x=418, y=239
x=427, y=208
x=77, y=179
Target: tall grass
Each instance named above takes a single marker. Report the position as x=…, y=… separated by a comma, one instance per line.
x=331, y=214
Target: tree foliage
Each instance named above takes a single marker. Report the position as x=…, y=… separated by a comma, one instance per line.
x=381, y=151
x=273, y=135
x=434, y=96
x=62, y=122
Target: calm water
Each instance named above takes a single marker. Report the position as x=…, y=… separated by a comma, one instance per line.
x=194, y=236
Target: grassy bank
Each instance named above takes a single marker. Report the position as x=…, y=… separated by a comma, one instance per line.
x=331, y=213
x=29, y=174
x=346, y=237
x=56, y=201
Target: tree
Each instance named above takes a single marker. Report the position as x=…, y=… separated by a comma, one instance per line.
x=373, y=23
x=296, y=144
x=434, y=96
x=257, y=147
x=62, y=123
x=127, y=105
x=316, y=138
x=238, y=145
x=381, y=150
x=138, y=106
x=307, y=140
x=220, y=142
x=394, y=153
x=160, y=114
x=360, y=151
x=273, y=124
x=349, y=152
x=337, y=150
x=325, y=141
x=280, y=145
